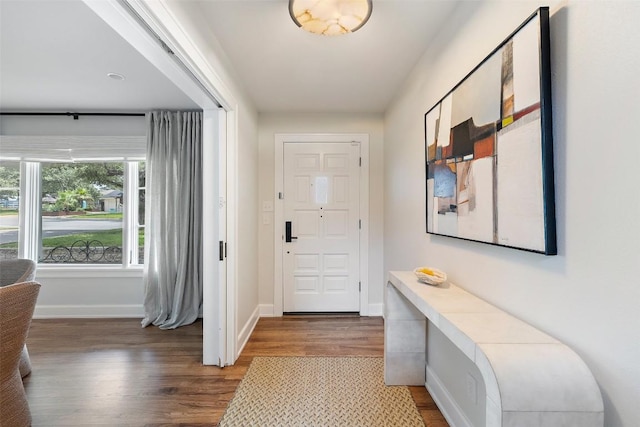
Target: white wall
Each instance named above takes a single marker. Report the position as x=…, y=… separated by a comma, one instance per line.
x=248, y=259
x=269, y=125
x=95, y=292
x=589, y=294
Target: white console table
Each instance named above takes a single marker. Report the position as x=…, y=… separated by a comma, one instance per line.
x=531, y=379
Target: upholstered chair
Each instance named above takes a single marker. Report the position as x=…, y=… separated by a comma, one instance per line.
x=16, y=271
x=17, y=303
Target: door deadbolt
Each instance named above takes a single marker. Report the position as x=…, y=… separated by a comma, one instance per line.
x=287, y=232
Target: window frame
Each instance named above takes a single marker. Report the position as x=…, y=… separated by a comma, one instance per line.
x=131, y=225
x=30, y=218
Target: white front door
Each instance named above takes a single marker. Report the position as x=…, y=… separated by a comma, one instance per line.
x=320, y=256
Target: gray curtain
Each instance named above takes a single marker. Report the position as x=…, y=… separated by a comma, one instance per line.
x=173, y=219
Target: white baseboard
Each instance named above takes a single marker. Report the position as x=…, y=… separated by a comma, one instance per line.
x=246, y=331
x=266, y=310
x=376, y=310
x=445, y=402
x=88, y=311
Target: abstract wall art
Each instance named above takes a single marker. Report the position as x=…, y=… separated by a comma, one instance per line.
x=489, y=148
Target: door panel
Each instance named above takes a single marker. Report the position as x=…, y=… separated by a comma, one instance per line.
x=336, y=224
x=321, y=199
x=307, y=224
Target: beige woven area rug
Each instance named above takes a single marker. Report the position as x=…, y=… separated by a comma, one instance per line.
x=319, y=391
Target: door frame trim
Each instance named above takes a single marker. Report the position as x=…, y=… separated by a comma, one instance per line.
x=278, y=228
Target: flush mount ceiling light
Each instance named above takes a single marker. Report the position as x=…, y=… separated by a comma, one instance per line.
x=330, y=17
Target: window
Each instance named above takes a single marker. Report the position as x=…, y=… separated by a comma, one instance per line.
x=79, y=197
x=9, y=208
x=80, y=212
x=82, y=208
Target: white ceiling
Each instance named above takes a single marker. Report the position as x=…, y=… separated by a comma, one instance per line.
x=61, y=64
x=55, y=56
x=284, y=68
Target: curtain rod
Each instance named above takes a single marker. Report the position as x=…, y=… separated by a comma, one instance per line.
x=69, y=114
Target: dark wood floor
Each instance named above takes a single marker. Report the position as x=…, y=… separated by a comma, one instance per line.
x=114, y=373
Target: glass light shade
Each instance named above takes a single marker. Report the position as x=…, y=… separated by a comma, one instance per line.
x=330, y=17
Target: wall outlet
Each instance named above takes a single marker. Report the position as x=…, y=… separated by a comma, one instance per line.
x=472, y=389
x=267, y=206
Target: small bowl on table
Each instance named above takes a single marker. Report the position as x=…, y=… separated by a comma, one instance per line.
x=430, y=275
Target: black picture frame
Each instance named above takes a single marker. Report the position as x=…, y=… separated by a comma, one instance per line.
x=489, y=148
